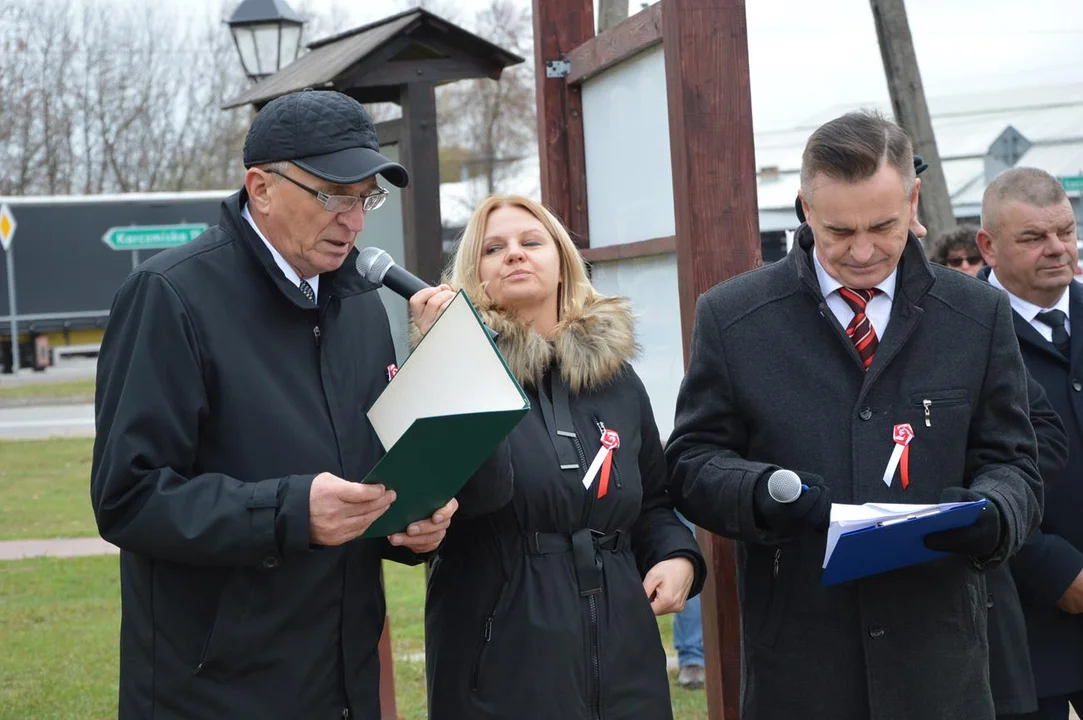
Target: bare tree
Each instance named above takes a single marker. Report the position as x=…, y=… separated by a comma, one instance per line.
x=495, y=120
x=100, y=96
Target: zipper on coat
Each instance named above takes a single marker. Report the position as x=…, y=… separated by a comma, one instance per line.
x=487, y=637
x=588, y=503
x=316, y=334
x=778, y=555
x=616, y=470
x=596, y=663
x=592, y=603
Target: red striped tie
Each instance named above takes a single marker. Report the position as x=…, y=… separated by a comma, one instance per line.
x=860, y=329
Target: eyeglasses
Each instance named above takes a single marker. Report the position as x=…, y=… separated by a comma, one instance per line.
x=341, y=203
x=970, y=259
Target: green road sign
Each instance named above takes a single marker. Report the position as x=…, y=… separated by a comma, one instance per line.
x=151, y=237
x=1072, y=183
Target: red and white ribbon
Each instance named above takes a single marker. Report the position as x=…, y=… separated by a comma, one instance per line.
x=603, y=461
x=900, y=455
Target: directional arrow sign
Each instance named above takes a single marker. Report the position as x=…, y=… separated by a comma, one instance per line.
x=151, y=237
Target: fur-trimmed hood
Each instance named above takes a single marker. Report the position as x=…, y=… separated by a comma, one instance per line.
x=591, y=348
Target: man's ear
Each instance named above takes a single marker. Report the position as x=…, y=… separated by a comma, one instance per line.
x=258, y=184
x=914, y=197
x=805, y=207
x=985, y=245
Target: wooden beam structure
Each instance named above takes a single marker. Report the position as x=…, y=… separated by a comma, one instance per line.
x=716, y=220
x=634, y=35
x=560, y=26
x=626, y=251
x=717, y=226
x=388, y=707
x=423, y=245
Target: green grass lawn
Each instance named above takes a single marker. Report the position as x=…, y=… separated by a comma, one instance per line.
x=59, y=618
x=65, y=388
x=45, y=489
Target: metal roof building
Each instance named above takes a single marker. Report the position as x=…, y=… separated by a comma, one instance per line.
x=977, y=135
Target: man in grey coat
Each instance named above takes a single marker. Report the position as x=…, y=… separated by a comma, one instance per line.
x=812, y=364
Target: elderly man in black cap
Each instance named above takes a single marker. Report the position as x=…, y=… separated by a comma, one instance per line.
x=233, y=382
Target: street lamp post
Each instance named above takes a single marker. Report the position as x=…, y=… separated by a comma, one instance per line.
x=267, y=34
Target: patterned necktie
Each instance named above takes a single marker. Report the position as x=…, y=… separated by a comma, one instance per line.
x=307, y=290
x=1055, y=319
x=860, y=329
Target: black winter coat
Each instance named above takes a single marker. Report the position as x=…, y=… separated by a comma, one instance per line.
x=902, y=645
x=1053, y=557
x=221, y=393
x=1010, y=674
x=537, y=611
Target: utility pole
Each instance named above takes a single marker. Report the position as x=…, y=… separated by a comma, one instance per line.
x=911, y=111
x=611, y=12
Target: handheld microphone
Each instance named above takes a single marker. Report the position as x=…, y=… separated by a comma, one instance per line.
x=785, y=486
x=376, y=266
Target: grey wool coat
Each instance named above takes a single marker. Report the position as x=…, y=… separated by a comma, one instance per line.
x=773, y=381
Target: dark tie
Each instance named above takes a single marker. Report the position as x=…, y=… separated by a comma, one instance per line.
x=860, y=329
x=1055, y=319
x=307, y=290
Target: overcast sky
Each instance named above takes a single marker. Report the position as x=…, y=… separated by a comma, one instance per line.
x=806, y=56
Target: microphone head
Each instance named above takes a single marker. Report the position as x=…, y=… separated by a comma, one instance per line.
x=373, y=263
x=784, y=486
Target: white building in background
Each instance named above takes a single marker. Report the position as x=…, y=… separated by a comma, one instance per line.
x=977, y=136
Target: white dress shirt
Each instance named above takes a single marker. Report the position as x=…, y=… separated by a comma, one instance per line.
x=287, y=269
x=1029, y=311
x=878, y=310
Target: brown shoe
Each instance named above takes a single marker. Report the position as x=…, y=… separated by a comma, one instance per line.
x=691, y=677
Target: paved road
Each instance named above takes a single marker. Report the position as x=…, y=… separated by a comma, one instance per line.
x=68, y=370
x=55, y=547
x=36, y=422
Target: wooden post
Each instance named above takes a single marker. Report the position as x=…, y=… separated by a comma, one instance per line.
x=717, y=236
x=423, y=246
x=560, y=26
x=611, y=13
x=912, y=113
x=388, y=706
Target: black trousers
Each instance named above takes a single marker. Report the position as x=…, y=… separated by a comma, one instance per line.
x=1051, y=708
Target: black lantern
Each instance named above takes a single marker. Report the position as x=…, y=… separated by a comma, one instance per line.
x=267, y=34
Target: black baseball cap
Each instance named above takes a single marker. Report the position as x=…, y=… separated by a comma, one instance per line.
x=324, y=132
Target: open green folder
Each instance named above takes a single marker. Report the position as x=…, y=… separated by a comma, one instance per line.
x=445, y=411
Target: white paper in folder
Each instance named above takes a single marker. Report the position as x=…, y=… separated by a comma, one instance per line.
x=454, y=370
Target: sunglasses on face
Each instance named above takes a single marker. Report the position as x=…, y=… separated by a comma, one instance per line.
x=970, y=259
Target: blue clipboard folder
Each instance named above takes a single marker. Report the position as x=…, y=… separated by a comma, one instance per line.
x=875, y=538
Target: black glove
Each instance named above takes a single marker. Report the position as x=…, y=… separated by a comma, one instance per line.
x=978, y=541
x=810, y=511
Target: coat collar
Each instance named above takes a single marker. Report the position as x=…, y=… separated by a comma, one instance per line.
x=590, y=348
x=340, y=283
x=1026, y=333
x=914, y=280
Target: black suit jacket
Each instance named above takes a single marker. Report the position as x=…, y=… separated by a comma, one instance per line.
x=1049, y=562
x=1011, y=676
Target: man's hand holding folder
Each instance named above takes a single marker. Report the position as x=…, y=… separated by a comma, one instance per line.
x=977, y=541
x=869, y=539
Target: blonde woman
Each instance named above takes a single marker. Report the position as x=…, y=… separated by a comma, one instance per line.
x=546, y=607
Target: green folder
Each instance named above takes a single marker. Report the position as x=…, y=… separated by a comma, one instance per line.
x=441, y=416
